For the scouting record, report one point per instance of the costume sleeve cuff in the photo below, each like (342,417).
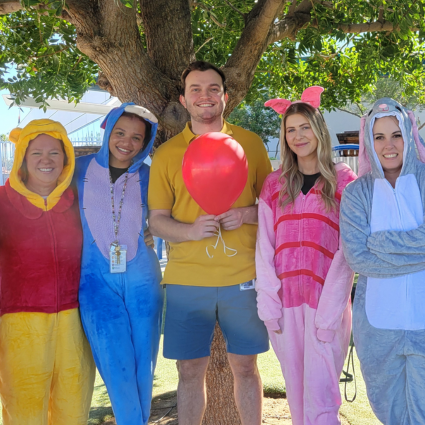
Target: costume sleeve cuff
(272,325)
(325,335)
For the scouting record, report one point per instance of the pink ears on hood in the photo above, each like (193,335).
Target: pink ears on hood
(419,145)
(364,163)
(311,95)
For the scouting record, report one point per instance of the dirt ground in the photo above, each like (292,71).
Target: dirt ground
(275,411)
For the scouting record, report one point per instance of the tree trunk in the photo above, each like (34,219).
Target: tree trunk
(221,406)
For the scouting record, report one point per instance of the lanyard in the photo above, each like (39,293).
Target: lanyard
(117,218)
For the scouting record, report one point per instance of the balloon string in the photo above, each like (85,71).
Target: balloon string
(220,238)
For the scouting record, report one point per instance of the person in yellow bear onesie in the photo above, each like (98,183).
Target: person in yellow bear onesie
(46,365)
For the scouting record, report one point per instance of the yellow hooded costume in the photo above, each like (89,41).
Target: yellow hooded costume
(46,366)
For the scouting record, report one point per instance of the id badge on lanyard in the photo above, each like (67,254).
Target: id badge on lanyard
(117,252)
(118,259)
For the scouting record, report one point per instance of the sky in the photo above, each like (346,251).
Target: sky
(9,117)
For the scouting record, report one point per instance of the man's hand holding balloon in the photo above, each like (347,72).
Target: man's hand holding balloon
(234,218)
(204,226)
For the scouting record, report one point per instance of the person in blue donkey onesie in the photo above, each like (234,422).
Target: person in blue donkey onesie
(383,234)
(120,296)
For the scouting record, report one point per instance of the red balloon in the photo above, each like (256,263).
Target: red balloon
(215,171)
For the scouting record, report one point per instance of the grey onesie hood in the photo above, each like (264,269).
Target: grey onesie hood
(413,145)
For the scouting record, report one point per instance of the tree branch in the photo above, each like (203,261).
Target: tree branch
(11,6)
(240,67)
(367,27)
(168,34)
(349,112)
(204,43)
(236,9)
(208,9)
(381,15)
(306,5)
(292,7)
(8,6)
(292,23)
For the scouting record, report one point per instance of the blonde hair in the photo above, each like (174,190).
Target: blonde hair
(291,178)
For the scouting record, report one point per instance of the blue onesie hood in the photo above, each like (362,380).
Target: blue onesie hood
(102,157)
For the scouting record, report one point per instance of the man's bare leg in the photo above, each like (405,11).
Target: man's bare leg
(191,395)
(248,388)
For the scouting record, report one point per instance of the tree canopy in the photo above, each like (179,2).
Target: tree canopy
(264,122)
(137,49)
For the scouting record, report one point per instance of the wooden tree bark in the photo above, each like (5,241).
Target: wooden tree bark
(221,406)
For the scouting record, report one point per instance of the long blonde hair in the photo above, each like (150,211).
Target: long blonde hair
(291,178)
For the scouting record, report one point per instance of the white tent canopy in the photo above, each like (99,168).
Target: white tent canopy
(73,117)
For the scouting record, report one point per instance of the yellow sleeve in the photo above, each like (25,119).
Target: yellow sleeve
(264,167)
(160,193)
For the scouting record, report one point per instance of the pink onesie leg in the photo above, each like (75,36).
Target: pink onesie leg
(289,349)
(323,363)
(310,367)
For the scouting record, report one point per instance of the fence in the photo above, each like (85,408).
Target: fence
(341,152)
(7,153)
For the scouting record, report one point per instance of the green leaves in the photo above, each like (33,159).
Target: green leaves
(255,117)
(127,3)
(39,58)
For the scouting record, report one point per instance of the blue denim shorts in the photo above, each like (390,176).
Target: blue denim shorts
(192,312)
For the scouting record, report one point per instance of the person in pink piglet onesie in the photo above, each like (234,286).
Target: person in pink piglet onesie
(303,281)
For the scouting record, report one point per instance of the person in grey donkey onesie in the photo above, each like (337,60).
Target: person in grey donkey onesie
(383,233)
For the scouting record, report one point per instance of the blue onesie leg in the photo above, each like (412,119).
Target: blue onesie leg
(392,363)
(144,302)
(122,323)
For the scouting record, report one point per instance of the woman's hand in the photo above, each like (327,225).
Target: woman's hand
(148,238)
(279,332)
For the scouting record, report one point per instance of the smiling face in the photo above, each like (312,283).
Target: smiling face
(300,137)
(204,97)
(126,141)
(44,161)
(389,145)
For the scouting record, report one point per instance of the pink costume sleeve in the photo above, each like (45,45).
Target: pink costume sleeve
(268,284)
(334,297)
(338,283)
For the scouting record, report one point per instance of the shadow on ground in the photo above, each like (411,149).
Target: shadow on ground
(98,415)
(164,411)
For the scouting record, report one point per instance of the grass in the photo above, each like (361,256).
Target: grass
(165,384)
(359,412)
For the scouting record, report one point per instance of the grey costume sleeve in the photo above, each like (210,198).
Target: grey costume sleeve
(410,244)
(355,231)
